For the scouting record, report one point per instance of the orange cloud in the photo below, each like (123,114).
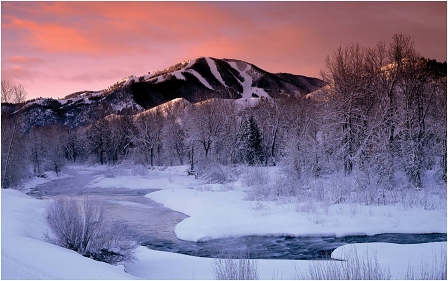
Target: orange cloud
(113,27)
(52,37)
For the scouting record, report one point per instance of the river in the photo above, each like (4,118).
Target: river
(152,225)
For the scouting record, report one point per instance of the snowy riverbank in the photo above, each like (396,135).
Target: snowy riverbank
(214,211)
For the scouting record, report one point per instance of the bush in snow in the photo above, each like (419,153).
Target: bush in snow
(213,172)
(80,225)
(257,179)
(235,266)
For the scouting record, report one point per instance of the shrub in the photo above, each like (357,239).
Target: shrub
(235,266)
(353,267)
(214,172)
(258,181)
(433,269)
(80,225)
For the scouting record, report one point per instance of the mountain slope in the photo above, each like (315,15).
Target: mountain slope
(194,80)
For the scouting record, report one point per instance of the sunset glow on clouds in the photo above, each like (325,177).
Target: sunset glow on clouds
(56,48)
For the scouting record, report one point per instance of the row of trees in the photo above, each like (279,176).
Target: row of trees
(177,133)
(382,112)
(387,110)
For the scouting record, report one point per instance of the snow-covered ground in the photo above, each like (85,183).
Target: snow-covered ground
(214,211)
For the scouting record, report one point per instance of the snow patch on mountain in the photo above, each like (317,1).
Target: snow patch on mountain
(249,92)
(179,76)
(200,78)
(211,63)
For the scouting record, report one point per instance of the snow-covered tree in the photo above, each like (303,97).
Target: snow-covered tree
(173,133)
(350,101)
(304,155)
(98,138)
(270,117)
(380,102)
(148,138)
(122,133)
(74,144)
(13,165)
(204,125)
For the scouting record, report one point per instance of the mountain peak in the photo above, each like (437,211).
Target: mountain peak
(193,80)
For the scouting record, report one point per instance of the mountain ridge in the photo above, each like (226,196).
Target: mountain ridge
(194,80)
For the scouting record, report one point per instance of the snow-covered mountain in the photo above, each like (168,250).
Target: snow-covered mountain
(193,80)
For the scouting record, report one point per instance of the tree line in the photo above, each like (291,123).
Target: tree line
(382,112)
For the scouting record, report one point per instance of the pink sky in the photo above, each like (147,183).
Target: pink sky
(56,48)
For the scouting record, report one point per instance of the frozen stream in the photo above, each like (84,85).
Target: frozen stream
(152,225)
(140,217)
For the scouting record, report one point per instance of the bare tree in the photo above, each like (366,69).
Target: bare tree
(346,75)
(12,93)
(122,135)
(205,124)
(417,102)
(303,149)
(11,135)
(37,150)
(148,141)
(173,137)
(56,140)
(381,100)
(74,145)
(98,138)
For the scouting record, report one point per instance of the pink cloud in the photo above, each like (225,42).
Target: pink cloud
(24,60)
(84,45)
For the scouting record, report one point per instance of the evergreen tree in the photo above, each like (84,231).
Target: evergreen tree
(252,143)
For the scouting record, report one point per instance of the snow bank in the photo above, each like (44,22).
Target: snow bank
(172,178)
(171,266)
(26,255)
(219,211)
(176,266)
(214,213)
(398,258)
(217,214)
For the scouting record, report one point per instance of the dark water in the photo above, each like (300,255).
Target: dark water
(285,247)
(152,225)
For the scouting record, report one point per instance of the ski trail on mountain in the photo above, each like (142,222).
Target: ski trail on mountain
(179,75)
(248,90)
(200,78)
(212,65)
(247,83)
